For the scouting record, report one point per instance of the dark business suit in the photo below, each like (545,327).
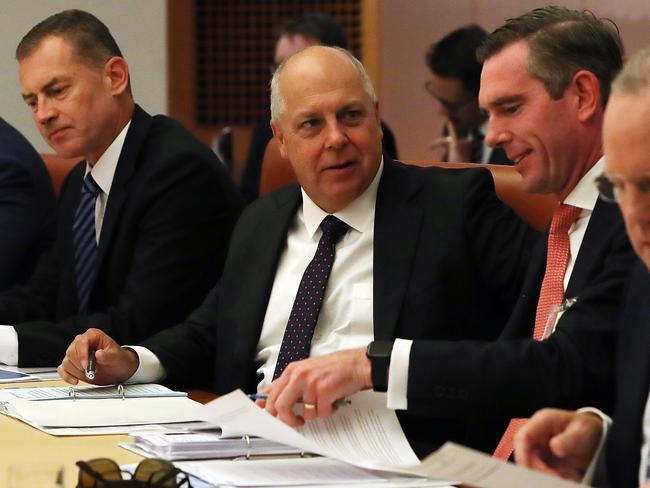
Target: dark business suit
(447,255)
(26,207)
(625,438)
(167,222)
(514,376)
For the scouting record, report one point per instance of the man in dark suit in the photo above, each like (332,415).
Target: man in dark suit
(143,220)
(454,83)
(26,207)
(404,267)
(547,114)
(565,443)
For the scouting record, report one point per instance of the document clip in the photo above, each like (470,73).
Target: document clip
(247,440)
(555,314)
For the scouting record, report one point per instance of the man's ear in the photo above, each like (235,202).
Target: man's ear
(586,90)
(278,135)
(116,72)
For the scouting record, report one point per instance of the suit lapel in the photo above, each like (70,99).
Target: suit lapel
(397,226)
(593,245)
(264,247)
(126,165)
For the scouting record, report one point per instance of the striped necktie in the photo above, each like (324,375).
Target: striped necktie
(85,241)
(296,341)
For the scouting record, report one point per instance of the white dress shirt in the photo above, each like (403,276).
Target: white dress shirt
(103,172)
(346,317)
(584,196)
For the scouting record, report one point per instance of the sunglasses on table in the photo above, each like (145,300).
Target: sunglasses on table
(150,473)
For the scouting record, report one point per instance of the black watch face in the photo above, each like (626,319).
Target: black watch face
(380,349)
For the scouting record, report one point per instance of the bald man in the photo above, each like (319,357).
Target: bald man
(401,266)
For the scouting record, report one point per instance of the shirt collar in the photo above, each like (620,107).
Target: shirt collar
(359,214)
(585,194)
(104,169)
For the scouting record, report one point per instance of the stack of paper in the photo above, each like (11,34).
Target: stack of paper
(98,410)
(207,446)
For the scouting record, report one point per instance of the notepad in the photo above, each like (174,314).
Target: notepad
(92,407)
(191,445)
(89,392)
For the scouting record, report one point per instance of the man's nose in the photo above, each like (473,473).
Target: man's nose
(44,112)
(336,136)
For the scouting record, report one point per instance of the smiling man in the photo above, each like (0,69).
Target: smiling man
(143,219)
(557,347)
(562,442)
(364,249)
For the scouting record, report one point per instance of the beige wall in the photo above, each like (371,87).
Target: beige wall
(408,27)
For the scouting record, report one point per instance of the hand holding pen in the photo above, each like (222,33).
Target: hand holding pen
(96,358)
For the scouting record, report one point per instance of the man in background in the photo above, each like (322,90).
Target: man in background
(567,443)
(143,220)
(454,83)
(27,207)
(294,36)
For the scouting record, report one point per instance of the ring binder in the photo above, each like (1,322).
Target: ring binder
(120,391)
(72,393)
(247,439)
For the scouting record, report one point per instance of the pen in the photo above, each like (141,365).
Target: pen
(337,403)
(90,368)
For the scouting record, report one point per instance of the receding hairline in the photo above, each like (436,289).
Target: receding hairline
(277,99)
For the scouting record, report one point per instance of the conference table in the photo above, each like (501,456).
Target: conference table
(23,445)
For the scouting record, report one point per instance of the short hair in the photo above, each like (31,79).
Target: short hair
(635,75)
(277,100)
(562,42)
(321,27)
(454,56)
(90,38)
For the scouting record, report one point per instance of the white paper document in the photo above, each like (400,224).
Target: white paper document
(481,470)
(364,433)
(285,472)
(368,435)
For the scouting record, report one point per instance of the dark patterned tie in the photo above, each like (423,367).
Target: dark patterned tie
(306,307)
(85,241)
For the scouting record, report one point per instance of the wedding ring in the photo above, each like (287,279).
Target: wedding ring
(309,406)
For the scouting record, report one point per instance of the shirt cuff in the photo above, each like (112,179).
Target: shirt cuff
(8,345)
(398,374)
(150,369)
(589,474)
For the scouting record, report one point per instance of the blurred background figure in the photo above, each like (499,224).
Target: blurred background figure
(26,207)
(294,36)
(454,83)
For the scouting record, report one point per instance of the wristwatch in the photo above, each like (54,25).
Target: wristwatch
(379,354)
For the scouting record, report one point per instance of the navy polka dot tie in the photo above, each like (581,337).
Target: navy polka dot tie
(306,307)
(85,241)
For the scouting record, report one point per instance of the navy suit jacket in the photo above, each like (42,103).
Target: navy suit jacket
(622,450)
(163,241)
(27,207)
(492,382)
(447,255)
